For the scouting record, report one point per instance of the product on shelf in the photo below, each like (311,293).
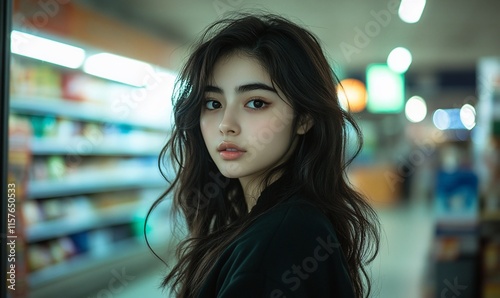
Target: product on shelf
(30,78)
(491,269)
(457,197)
(38,257)
(32,213)
(84,88)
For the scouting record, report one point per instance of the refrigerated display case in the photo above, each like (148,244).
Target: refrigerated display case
(90,155)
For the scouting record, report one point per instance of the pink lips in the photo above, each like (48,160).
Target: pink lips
(230,151)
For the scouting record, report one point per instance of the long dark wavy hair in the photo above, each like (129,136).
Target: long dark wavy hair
(213,206)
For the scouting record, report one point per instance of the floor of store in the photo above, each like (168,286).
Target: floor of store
(398,271)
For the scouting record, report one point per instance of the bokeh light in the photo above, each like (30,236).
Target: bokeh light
(468,116)
(415,109)
(352,95)
(410,11)
(441,119)
(399,59)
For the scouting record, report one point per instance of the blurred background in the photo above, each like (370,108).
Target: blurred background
(90,110)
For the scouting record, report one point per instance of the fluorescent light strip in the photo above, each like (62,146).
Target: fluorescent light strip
(119,69)
(46,50)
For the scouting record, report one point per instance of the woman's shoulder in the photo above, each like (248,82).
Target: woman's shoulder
(296,223)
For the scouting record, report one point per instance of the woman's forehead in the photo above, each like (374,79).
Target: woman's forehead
(238,68)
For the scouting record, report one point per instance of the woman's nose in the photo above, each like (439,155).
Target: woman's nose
(229,124)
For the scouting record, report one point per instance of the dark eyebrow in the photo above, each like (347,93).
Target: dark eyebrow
(242,88)
(255,86)
(214,89)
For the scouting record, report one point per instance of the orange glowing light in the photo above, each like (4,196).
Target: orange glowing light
(352,95)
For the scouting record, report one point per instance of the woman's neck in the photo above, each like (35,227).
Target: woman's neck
(252,188)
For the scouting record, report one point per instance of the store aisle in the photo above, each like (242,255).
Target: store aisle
(397,271)
(403,260)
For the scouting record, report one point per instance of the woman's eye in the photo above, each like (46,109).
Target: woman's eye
(212,104)
(256,104)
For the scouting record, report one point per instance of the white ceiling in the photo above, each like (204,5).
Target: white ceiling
(451,35)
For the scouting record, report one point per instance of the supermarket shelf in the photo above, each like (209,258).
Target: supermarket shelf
(491,216)
(125,179)
(126,249)
(490,228)
(110,145)
(118,154)
(63,227)
(75,110)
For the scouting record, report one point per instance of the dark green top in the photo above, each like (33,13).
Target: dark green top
(290,251)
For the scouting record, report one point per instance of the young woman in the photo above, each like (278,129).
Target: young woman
(259,145)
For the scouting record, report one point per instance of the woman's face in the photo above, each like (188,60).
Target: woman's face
(246,123)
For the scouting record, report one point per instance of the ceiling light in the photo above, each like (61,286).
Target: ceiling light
(119,69)
(468,116)
(399,59)
(415,109)
(46,50)
(410,11)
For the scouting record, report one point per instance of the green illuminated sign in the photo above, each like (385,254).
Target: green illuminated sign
(385,89)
